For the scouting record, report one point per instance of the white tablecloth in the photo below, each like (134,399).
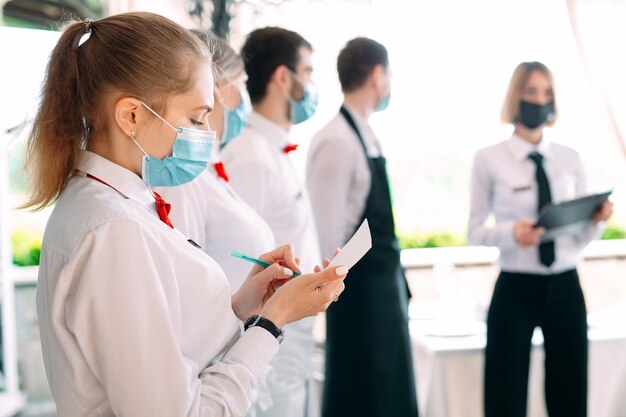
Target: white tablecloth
(449,371)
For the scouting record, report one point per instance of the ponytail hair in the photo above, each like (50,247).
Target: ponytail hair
(140,55)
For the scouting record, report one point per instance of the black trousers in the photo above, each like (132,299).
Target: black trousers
(521,302)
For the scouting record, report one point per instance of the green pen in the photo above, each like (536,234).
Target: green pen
(256,261)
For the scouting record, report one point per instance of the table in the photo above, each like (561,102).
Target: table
(11,404)
(449,370)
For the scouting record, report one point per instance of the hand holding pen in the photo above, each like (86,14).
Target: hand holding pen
(297,298)
(262,263)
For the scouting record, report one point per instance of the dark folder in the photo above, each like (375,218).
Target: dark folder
(569,217)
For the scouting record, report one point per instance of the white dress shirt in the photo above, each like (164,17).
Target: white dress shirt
(265,177)
(338,178)
(504,185)
(209,211)
(134,320)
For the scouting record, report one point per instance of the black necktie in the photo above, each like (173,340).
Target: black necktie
(546,249)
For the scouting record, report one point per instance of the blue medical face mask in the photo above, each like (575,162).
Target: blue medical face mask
(303,109)
(190,156)
(384,100)
(236,119)
(383,103)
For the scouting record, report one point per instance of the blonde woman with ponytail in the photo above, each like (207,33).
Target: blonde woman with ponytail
(135,320)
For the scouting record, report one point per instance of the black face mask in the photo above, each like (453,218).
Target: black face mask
(534,115)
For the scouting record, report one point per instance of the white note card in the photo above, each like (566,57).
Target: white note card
(356,248)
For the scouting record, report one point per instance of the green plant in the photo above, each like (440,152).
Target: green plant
(430,240)
(613,231)
(26,248)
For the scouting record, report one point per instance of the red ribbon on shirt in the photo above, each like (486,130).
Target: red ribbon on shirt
(221,170)
(163,209)
(289,148)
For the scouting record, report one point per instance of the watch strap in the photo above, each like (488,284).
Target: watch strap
(268,325)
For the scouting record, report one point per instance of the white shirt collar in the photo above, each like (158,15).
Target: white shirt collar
(520,148)
(270,131)
(125,182)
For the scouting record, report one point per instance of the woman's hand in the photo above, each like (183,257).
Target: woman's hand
(262,283)
(527,234)
(306,295)
(603,212)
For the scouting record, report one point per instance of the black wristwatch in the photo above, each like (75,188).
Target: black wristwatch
(274,330)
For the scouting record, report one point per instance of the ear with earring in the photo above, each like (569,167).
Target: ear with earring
(133,137)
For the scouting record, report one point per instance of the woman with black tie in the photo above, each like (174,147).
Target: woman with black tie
(538,284)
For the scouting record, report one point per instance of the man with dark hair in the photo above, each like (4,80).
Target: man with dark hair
(369,367)
(278,64)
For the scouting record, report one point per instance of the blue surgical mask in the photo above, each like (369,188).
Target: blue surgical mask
(383,103)
(190,156)
(236,119)
(303,109)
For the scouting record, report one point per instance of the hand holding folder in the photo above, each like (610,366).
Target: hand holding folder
(569,217)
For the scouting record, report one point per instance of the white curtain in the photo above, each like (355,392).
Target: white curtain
(599,30)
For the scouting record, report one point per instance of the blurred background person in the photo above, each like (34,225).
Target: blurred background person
(207,209)
(278,64)
(538,284)
(369,367)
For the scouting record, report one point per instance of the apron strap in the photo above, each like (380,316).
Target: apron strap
(352,124)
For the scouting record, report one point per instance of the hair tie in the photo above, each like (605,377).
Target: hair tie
(87,22)
(87,34)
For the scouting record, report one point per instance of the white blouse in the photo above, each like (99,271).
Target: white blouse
(504,185)
(134,320)
(266,179)
(208,211)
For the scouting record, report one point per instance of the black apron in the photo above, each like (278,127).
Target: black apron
(369,367)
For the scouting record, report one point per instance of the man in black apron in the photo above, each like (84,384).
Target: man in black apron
(369,367)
